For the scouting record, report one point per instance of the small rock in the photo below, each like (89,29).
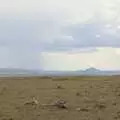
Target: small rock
(77,94)
(78,109)
(59,87)
(82,109)
(60,104)
(33,102)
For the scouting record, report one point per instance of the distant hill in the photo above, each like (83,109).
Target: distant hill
(88,72)
(92,70)
(17,71)
(25,72)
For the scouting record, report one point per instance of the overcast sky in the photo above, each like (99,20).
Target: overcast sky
(60,34)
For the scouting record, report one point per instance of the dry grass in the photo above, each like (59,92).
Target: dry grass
(87,98)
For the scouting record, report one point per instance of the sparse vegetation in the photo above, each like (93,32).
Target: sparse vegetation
(35,98)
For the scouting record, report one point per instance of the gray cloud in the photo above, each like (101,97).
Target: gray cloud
(22,41)
(84,36)
(94,35)
(18,45)
(29,27)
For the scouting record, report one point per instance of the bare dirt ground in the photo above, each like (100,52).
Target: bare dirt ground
(86,98)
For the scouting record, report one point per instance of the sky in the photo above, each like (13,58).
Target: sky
(60,34)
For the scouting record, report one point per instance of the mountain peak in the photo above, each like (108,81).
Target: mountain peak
(92,69)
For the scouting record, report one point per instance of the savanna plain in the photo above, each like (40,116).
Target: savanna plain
(60,98)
